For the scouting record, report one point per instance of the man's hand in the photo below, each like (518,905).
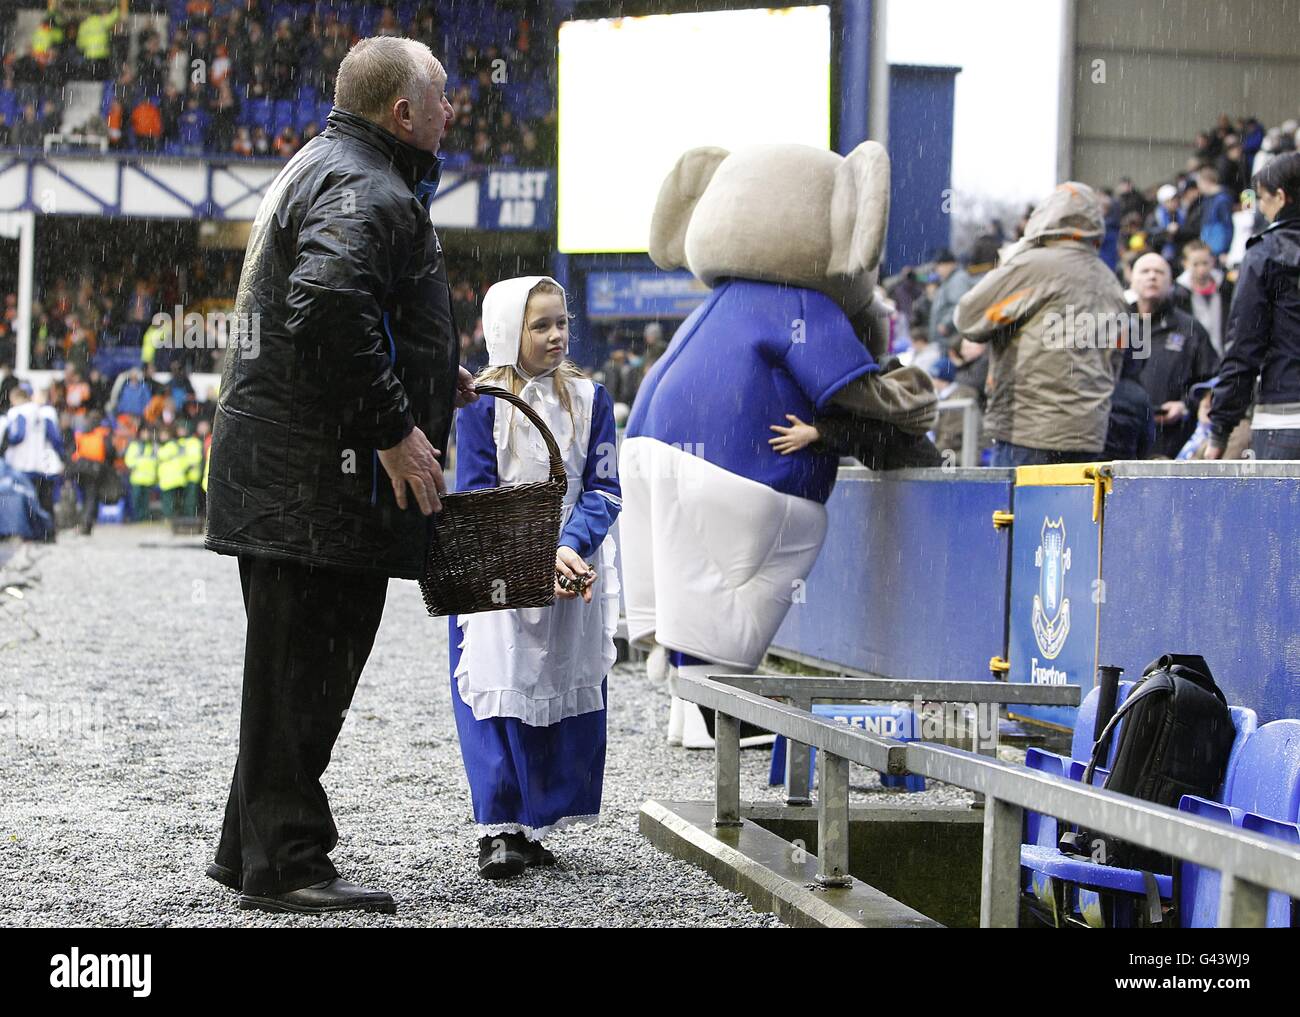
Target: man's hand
(1171,412)
(1213,451)
(465,393)
(414,461)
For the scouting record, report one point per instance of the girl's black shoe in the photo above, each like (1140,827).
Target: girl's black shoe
(535,854)
(502,856)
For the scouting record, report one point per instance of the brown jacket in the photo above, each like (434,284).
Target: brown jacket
(1053,314)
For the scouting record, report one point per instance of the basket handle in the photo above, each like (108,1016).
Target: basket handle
(557,465)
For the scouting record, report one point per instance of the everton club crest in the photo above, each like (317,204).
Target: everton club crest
(1051,605)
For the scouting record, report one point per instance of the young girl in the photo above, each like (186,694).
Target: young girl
(529,685)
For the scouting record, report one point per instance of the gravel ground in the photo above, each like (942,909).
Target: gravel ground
(120,658)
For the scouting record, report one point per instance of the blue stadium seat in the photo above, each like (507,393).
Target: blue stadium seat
(1198,894)
(1246,722)
(256,113)
(323,112)
(1041,829)
(282,114)
(1262,795)
(1046,862)
(194,129)
(1086,720)
(1281,912)
(9,105)
(1266,779)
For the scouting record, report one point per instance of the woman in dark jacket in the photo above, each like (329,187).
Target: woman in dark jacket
(1264,326)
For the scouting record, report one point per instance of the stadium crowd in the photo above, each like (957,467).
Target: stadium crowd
(254,78)
(1197,223)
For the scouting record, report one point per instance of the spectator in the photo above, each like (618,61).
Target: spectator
(925,354)
(192,455)
(286,143)
(151,66)
(243,143)
(170,107)
(173,466)
(1191,213)
(93,40)
(142,463)
(1263,339)
(131,394)
(1129,200)
(1206,293)
(8,382)
(92,467)
(1216,216)
(116,124)
(147,125)
(1050,403)
(30,442)
(1232,169)
(1131,428)
(1162,224)
(954,284)
(1178,355)
(27,133)
(225,113)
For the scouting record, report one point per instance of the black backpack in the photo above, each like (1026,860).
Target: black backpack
(1176,739)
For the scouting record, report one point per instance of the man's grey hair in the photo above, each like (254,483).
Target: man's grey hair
(380,70)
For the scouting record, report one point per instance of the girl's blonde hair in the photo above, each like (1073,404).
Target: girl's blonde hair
(510,379)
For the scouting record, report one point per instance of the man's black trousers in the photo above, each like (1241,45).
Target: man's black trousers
(310,630)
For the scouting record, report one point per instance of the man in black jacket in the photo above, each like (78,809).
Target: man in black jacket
(1178,355)
(336,399)
(1264,326)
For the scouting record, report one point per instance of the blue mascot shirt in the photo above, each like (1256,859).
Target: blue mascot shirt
(747,356)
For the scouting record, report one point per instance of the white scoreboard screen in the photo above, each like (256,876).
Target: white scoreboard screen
(635,93)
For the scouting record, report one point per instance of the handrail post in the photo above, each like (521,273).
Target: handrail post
(1241,904)
(833,820)
(796,762)
(726,761)
(970,434)
(990,750)
(1000,866)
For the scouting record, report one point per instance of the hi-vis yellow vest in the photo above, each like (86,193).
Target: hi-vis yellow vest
(142,460)
(172,466)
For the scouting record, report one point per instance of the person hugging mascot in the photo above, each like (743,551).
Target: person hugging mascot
(718,528)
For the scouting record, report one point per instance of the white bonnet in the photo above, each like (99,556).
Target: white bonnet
(503,317)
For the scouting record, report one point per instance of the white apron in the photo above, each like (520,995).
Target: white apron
(543,664)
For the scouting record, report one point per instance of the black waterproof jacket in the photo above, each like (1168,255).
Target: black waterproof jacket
(1263,329)
(343,341)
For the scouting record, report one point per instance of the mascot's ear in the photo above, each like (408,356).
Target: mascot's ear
(859,210)
(681,190)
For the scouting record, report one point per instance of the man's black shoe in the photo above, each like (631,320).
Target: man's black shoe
(321,899)
(223,875)
(502,856)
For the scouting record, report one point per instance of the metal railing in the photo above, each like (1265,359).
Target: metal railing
(970,427)
(1251,865)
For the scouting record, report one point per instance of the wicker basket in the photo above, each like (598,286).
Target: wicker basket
(495,549)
